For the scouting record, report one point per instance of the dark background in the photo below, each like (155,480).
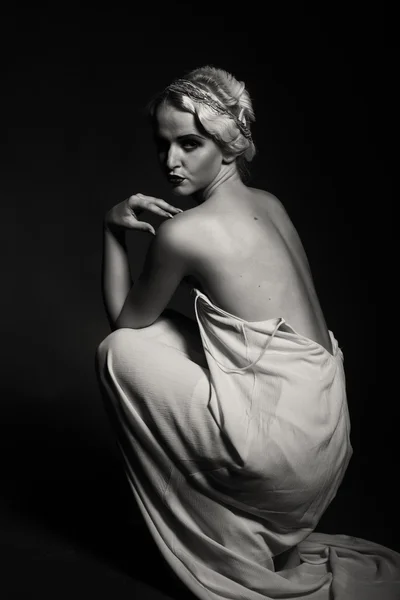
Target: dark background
(75,141)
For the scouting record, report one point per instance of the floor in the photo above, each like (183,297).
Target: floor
(60,550)
(69,528)
(76,542)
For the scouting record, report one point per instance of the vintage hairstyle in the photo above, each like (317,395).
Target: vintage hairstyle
(221,106)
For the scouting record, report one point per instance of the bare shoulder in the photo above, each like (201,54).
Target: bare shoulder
(186,225)
(182,238)
(180,234)
(263,194)
(269,201)
(216,226)
(182,225)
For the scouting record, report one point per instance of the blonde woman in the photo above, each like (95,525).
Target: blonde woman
(234,427)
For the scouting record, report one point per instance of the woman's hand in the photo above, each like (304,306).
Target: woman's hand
(124,215)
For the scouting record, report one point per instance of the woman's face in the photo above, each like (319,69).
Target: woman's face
(190,159)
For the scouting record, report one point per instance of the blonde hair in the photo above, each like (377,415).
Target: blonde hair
(222,107)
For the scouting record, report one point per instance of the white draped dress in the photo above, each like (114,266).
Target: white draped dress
(234,453)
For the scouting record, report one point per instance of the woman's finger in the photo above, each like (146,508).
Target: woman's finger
(142,226)
(159,202)
(159,211)
(169,207)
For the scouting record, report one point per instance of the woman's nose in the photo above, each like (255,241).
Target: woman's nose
(173,159)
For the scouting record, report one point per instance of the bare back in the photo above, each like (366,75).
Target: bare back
(252,264)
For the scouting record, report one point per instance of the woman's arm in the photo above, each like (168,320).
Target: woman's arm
(116,275)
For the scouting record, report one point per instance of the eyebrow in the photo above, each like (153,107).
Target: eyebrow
(196,135)
(181,137)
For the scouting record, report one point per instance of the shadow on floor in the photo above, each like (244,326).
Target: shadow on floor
(70,527)
(73,544)
(69,524)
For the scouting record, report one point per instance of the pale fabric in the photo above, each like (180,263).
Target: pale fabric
(234,449)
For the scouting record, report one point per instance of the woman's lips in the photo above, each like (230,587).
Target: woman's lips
(176,179)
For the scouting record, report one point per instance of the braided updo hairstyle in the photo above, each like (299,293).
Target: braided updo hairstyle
(232,95)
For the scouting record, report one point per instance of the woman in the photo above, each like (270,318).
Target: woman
(234,427)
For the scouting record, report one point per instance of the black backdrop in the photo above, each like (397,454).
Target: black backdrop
(75,142)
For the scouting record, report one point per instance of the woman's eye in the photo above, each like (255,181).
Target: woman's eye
(189,145)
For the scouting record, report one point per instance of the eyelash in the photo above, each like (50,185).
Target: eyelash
(188,146)
(192,145)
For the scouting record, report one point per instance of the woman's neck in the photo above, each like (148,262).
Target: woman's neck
(227,179)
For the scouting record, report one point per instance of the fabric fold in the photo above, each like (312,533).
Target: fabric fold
(232,465)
